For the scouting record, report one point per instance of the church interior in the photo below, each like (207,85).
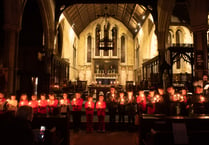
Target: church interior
(90,46)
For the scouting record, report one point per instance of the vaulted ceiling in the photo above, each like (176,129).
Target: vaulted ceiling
(80,13)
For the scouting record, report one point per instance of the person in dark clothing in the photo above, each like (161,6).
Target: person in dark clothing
(18,131)
(121,107)
(112,99)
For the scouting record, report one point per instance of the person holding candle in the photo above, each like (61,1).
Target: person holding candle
(131,109)
(12,103)
(121,107)
(2,102)
(77,103)
(184,106)
(89,106)
(34,104)
(52,103)
(198,101)
(159,101)
(112,103)
(42,103)
(101,107)
(141,102)
(64,104)
(151,101)
(23,100)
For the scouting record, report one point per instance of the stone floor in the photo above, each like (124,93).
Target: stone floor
(107,138)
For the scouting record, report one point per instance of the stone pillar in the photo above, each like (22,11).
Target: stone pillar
(12,25)
(198,11)
(10,56)
(164,9)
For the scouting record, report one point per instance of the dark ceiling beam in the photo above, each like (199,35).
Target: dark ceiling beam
(132,13)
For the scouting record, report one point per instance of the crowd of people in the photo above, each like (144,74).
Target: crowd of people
(113,103)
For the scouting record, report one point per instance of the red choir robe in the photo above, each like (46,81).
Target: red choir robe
(42,106)
(23,102)
(34,105)
(77,104)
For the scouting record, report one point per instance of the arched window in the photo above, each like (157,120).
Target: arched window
(98,29)
(123,49)
(169,38)
(89,46)
(178,36)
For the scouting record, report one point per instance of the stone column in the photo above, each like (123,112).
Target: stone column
(11,36)
(198,11)
(164,9)
(12,17)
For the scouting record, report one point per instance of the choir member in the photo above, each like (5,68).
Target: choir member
(64,104)
(89,106)
(52,104)
(150,102)
(77,103)
(12,103)
(2,102)
(141,102)
(34,104)
(112,98)
(101,107)
(23,100)
(121,107)
(42,103)
(131,108)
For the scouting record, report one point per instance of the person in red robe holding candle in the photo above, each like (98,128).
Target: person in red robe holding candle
(101,106)
(42,110)
(150,101)
(34,104)
(64,104)
(23,100)
(141,102)
(77,103)
(53,104)
(89,106)
(121,107)
(2,102)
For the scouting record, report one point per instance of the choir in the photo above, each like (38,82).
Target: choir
(121,103)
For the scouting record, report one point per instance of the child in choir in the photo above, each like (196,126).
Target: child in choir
(12,103)
(42,110)
(131,108)
(64,104)
(52,103)
(34,104)
(141,102)
(101,106)
(23,100)
(121,107)
(89,106)
(150,101)
(77,103)
(2,102)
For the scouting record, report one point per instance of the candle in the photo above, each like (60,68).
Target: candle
(62,102)
(202,99)
(29,104)
(99,103)
(122,101)
(74,101)
(89,104)
(39,102)
(22,103)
